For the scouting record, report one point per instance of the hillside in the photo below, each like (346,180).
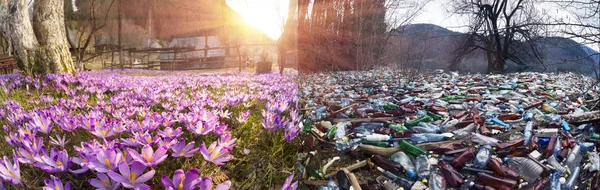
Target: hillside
(428,46)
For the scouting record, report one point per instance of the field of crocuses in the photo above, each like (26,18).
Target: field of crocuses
(148,130)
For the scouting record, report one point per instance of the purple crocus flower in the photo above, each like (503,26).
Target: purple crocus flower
(243,117)
(226,141)
(67,124)
(215,154)
(291,131)
(41,122)
(181,149)
(201,128)
(54,183)
(104,182)
(206,184)
(10,172)
(57,161)
(103,131)
(107,159)
(288,185)
(268,121)
(169,133)
(133,177)
(148,157)
(181,181)
(59,141)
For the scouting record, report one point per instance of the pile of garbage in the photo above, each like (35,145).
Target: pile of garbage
(384,130)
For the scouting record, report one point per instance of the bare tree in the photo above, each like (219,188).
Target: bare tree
(91,17)
(499,28)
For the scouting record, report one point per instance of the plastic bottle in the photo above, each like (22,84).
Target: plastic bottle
(349,144)
(528,116)
(410,148)
(573,178)
(331,185)
(377,137)
(314,172)
(403,159)
(482,157)
(436,181)
(340,131)
(565,125)
(464,132)
(423,166)
(527,132)
(478,138)
(574,158)
(555,181)
(528,169)
(594,160)
(500,122)
(556,165)
(433,127)
(460,160)
(427,137)
(404,183)
(538,185)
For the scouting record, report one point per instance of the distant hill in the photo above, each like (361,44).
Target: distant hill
(429,46)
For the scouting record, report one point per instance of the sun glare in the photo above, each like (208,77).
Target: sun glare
(267,16)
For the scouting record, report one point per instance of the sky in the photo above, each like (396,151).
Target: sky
(266,15)
(269,15)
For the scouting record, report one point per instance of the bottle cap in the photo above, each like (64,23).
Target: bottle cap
(411,174)
(424,181)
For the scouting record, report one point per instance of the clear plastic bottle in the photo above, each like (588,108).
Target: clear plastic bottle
(481,139)
(527,132)
(331,185)
(555,181)
(423,166)
(574,158)
(403,159)
(528,169)
(436,181)
(573,178)
(556,165)
(346,145)
(427,137)
(482,157)
(464,132)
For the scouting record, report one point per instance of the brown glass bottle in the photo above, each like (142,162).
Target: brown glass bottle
(535,105)
(509,116)
(387,164)
(538,185)
(502,170)
(550,147)
(452,177)
(511,144)
(497,182)
(460,160)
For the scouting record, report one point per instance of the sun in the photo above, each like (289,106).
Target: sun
(267,16)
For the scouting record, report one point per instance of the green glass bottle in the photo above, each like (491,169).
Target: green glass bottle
(434,116)
(379,144)
(585,109)
(505,87)
(331,132)
(594,136)
(307,126)
(390,106)
(418,120)
(314,172)
(493,89)
(398,127)
(410,148)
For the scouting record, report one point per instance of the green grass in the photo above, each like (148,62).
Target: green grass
(269,162)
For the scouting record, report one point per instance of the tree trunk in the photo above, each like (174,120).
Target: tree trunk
(19,31)
(48,20)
